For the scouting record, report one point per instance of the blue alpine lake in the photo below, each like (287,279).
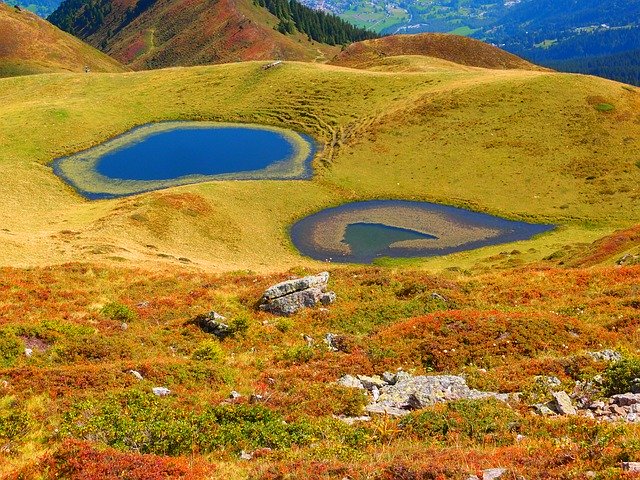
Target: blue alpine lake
(195,151)
(176,153)
(361,232)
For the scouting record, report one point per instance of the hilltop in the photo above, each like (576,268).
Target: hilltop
(29,44)
(166,33)
(452,48)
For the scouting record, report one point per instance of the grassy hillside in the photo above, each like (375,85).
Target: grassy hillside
(166,33)
(29,45)
(453,48)
(523,144)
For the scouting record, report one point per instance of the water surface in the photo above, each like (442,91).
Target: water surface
(360,232)
(167,154)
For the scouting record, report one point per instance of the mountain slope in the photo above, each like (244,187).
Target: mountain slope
(452,48)
(29,44)
(163,33)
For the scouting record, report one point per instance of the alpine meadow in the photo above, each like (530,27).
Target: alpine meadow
(170,326)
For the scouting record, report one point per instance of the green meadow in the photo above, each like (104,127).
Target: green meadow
(524,145)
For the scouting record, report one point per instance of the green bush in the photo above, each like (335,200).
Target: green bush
(119,312)
(239,325)
(620,377)
(139,421)
(299,354)
(209,350)
(10,348)
(472,421)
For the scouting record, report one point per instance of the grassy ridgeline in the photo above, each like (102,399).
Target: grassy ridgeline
(526,145)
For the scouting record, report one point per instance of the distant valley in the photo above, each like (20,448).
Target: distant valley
(542,31)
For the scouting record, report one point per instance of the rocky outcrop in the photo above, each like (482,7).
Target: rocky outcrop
(398,394)
(286,298)
(212,322)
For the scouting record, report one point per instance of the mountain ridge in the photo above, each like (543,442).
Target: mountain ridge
(29,44)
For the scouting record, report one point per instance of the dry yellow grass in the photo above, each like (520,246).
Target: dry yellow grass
(28,44)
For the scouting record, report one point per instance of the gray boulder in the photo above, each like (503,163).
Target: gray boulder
(287,287)
(286,298)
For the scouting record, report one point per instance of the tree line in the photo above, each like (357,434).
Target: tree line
(317,25)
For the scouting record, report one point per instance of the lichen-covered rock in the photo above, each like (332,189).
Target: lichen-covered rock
(286,298)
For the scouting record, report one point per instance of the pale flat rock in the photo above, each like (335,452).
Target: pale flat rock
(563,403)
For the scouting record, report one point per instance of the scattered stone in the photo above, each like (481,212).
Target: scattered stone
(493,473)
(563,403)
(389,378)
(370,382)
(143,304)
(379,409)
(212,322)
(255,398)
(375,393)
(161,391)
(246,455)
(548,381)
(606,355)
(286,298)
(590,474)
(352,420)
(136,374)
(124,326)
(473,477)
(599,405)
(28,352)
(626,399)
(234,395)
(618,410)
(437,296)
(631,466)
(308,339)
(542,409)
(350,381)
(408,392)
(332,341)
